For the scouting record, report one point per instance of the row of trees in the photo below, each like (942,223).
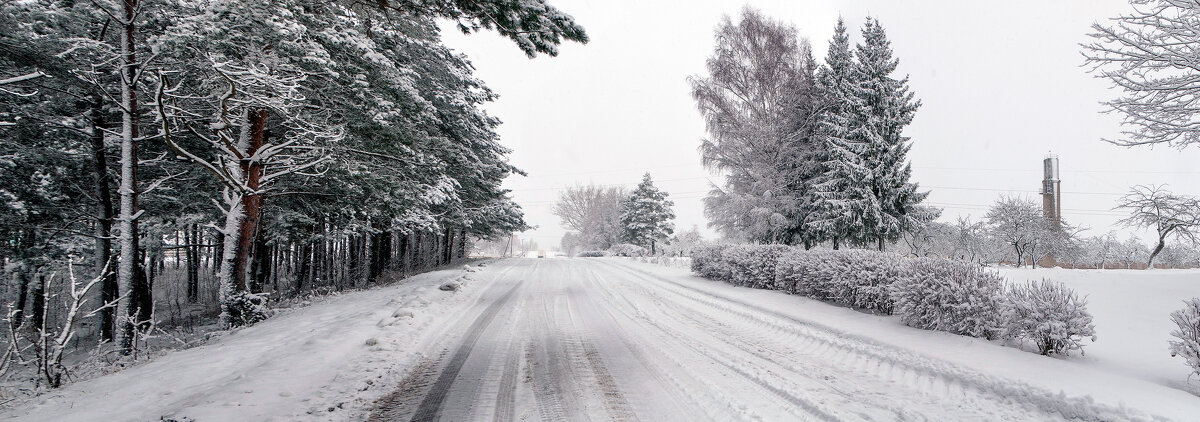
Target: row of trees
(1015,230)
(600,217)
(328,141)
(811,153)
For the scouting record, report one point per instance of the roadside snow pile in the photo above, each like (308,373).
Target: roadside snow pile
(590,254)
(1188,334)
(932,294)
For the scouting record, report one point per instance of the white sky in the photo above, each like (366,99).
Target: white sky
(1001,82)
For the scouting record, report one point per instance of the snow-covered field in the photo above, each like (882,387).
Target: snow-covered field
(554,339)
(1132,314)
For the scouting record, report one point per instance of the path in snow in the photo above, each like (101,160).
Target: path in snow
(580,339)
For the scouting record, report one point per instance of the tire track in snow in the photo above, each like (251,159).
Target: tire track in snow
(430,405)
(710,399)
(891,363)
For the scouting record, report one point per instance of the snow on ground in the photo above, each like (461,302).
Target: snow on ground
(608,338)
(1132,311)
(327,361)
(1128,365)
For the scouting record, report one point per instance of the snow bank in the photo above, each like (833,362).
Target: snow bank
(327,361)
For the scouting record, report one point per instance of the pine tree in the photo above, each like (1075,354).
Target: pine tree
(865,195)
(838,196)
(646,215)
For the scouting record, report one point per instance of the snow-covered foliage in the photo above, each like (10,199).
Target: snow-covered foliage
(857,278)
(758,101)
(1050,314)
(1187,334)
(709,261)
(754,265)
(244,308)
(957,297)
(646,215)
(627,249)
(591,254)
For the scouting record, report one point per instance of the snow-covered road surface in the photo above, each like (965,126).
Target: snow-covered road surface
(599,339)
(559,339)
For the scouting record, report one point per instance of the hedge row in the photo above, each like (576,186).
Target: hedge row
(932,294)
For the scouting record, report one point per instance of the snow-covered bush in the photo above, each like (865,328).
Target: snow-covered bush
(805,273)
(951,296)
(864,279)
(626,249)
(245,308)
(858,278)
(590,254)
(1188,345)
(1050,314)
(754,265)
(709,261)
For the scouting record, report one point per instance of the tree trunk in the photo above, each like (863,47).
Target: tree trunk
(1157,248)
(21,279)
(127,218)
(262,261)
(192,237)
(38,311)
(102,256)
(252,200)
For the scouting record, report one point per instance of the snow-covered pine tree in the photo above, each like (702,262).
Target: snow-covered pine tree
(865,195)
(886,106)
(646,215)
(839,198)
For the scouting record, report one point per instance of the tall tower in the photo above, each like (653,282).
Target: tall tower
(1051,191)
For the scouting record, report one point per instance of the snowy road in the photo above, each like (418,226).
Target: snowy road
(598,339)
(580,339)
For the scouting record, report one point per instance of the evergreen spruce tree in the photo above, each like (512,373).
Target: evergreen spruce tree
(838,197)
(865,196)
(646,215)
(884,107)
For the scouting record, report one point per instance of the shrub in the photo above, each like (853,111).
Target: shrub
(626,249)
(709,262)
(858,278)
(1050,314)
(590,254)
(951,296)
(864,279)
(805,273)
(244,308)
(1188,345)
(754,265)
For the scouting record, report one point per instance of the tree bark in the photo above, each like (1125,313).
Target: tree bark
(21,279)
(102,255)
(127,218)
(1157,248)
(252,200)
(192,237)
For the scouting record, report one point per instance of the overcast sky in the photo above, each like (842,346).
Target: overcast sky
(1001,83)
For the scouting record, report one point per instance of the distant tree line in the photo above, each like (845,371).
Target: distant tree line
(601,217)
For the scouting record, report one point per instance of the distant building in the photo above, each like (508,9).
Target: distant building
(1051,191)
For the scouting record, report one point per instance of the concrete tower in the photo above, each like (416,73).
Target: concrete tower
(1051,191)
